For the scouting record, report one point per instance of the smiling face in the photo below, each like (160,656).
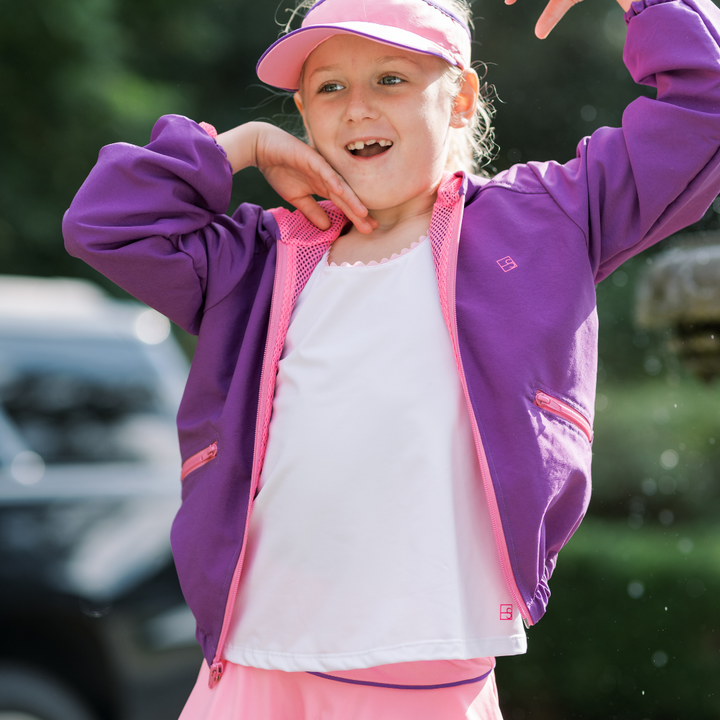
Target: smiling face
(381,116)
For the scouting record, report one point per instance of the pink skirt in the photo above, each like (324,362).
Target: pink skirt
(427,690)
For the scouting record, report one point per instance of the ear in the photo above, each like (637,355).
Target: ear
(466,100)
(301,109)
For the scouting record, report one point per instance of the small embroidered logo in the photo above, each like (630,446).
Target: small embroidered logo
(507,264)
(506,612)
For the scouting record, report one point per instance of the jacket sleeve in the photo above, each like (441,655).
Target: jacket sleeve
(152,220)
(632,186)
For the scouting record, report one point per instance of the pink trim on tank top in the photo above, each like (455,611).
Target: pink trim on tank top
(384,261)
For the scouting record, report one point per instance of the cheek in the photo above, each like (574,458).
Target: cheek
(314,121)
(432,122)
(316,134)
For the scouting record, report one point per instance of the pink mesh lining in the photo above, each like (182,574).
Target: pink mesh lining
(441,231)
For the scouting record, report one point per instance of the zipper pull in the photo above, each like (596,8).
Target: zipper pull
(210,452)
(542,399)
(216,671)
(569,413)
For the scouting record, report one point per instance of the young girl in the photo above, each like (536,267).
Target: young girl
(386,430)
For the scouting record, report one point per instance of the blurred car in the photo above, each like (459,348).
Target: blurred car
(93,625)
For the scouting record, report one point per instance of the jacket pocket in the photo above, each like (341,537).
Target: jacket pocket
(565,411)
(198,460)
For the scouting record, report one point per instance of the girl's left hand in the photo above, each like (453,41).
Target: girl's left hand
(296,172)
(554,12)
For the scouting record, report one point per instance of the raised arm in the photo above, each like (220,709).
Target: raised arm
(632,186)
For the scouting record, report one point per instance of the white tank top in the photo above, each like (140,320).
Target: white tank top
(370,539)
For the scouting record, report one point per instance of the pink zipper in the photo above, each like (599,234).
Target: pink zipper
(558,407)
(198,460)
(264,407)
(482,458)
(285,264)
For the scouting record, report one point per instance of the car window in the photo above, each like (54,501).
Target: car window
(80,400)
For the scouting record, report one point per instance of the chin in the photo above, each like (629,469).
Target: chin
(378,197)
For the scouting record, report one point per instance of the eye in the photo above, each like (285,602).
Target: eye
(390,80)
(331,87)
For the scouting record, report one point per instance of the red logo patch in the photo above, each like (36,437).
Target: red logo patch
(507,264)
(506,612)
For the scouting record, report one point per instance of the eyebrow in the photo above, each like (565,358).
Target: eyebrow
(403,58)
(324,68)
(379,61)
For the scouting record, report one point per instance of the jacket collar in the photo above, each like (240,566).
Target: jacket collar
(296,229)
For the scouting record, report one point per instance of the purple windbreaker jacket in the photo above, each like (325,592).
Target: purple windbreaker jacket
(517,259)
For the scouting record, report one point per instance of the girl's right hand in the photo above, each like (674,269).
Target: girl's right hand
(295,171)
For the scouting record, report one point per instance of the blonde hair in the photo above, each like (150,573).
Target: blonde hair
(472,146)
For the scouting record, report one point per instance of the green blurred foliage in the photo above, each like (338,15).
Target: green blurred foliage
(633,630)
(657,455)
(78,74)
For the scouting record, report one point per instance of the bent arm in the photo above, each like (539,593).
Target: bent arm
(152,220)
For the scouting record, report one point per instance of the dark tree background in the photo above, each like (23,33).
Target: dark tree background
(632,631)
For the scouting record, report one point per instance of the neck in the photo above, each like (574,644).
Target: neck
(398,228)
(417,210)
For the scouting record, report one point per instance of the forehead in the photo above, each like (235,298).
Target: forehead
(348,51)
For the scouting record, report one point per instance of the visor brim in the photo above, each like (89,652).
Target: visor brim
(281,64)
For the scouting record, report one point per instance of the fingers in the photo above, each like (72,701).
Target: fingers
(336,185)
(551,16)
(345,199)
(297,172)
(313,212)
(350,202)
(363,222)
(343,196)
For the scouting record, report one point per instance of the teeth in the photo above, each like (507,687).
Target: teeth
(359,145)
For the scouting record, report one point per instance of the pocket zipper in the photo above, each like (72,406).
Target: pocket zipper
(558,407)
(198,460)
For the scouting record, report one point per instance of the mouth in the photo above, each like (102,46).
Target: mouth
(368,148)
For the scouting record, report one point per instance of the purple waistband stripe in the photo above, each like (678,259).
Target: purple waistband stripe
(401,687)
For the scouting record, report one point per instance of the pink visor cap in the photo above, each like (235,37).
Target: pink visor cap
(416,25)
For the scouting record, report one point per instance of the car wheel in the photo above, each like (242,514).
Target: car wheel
(29,694)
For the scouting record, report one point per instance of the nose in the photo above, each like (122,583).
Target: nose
(359,105)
